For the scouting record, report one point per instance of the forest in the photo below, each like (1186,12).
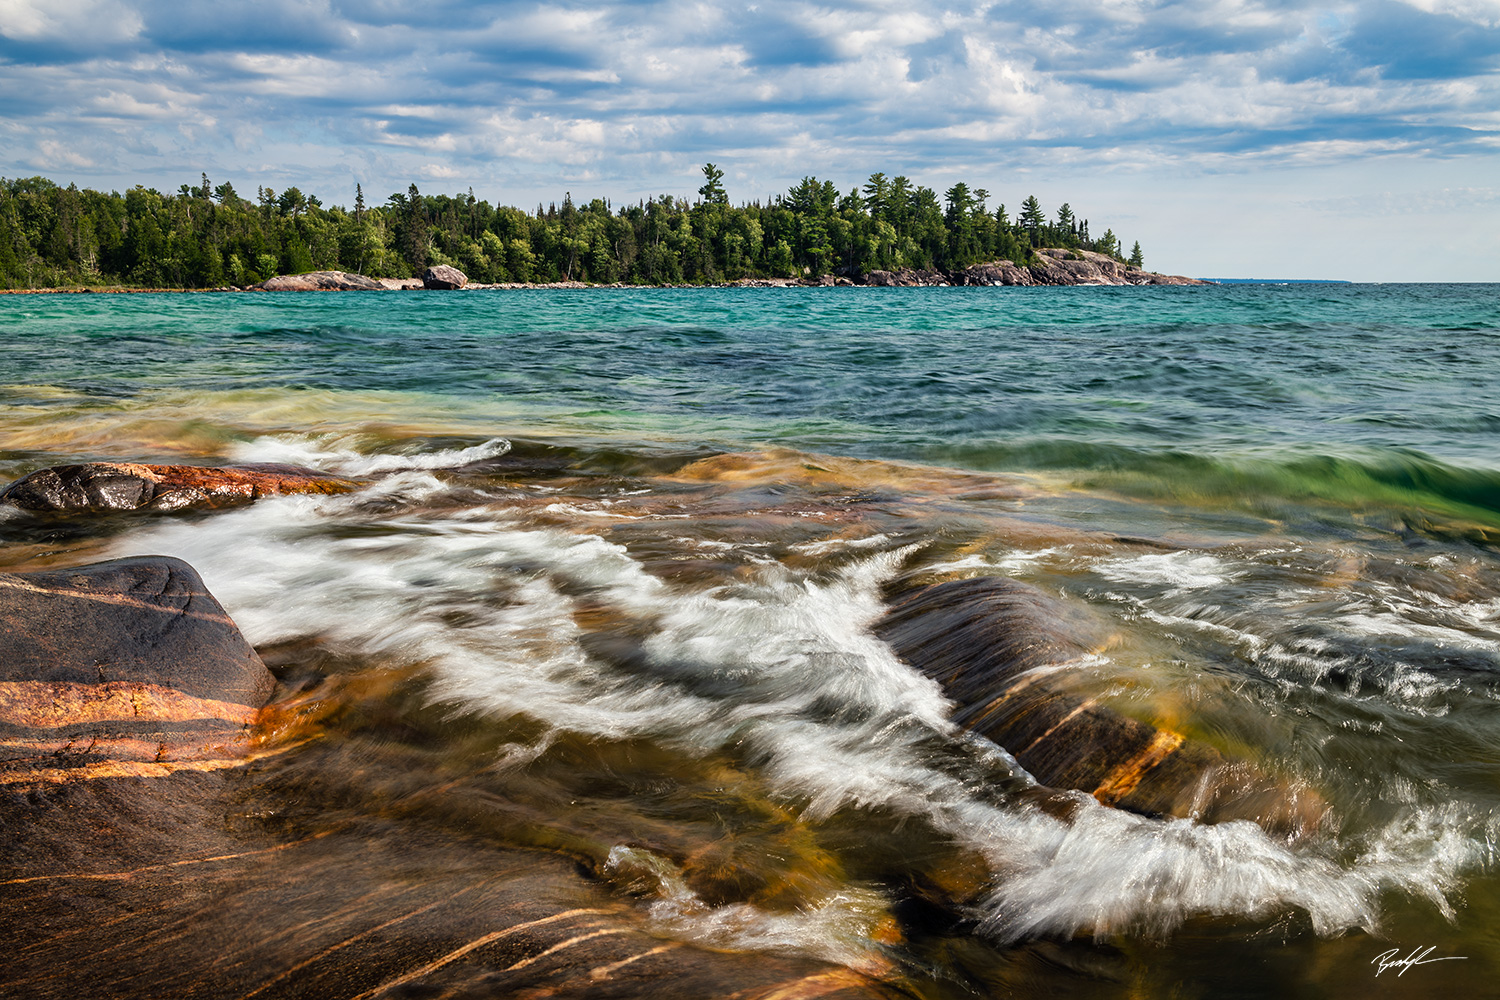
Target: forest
(209,236)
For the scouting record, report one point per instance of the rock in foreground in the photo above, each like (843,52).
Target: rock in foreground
(984,641)
(122,668)
(320,281)
(445,277)
(97,487)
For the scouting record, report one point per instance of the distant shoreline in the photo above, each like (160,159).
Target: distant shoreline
(1052,266)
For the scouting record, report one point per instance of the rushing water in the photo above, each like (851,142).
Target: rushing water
(622,553)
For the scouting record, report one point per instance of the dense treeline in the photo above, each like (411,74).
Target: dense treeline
(209,236)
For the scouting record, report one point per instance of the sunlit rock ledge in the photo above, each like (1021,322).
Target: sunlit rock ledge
(1053,266)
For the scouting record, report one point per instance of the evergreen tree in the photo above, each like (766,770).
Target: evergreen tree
(1032,219)
(712,190)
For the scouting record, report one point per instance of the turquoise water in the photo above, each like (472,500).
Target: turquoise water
(1281,502)
(977,377)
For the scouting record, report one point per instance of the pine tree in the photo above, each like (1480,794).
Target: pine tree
(1135,255)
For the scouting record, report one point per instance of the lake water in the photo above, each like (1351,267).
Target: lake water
(623,553)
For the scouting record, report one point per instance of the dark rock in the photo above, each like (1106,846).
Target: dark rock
(127,667)
(982,640)
(320,281)
(907,277)
(97,487)
(444,276)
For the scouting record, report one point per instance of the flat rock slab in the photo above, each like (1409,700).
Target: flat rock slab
(320,281)
(98,487)
(128,667)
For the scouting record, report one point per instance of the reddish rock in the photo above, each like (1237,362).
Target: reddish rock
(320,281)
(445,277)
(96,487)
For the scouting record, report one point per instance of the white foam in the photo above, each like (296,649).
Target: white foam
(340,454)
(1177,571)
(839,544)
(839,928)
(784,670)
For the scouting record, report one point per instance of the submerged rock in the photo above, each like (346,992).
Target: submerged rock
(122,668)
(988,640)
(444,276)
(96,487)
(320,281)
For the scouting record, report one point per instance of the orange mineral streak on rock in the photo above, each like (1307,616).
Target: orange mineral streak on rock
(1127,777)
(43,704)
(121,769)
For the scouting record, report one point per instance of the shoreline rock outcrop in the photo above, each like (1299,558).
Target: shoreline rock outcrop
(1052,266)
(99,487)
(319,281)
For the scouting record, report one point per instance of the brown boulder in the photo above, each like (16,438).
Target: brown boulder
(127,667)
(444,276)
(95,487)
(982,640)
(320,281)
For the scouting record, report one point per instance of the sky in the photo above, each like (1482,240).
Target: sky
(1232,138)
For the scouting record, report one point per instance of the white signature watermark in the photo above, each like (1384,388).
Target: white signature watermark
(1390,960)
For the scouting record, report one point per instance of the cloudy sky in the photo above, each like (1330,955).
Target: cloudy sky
(1271,138)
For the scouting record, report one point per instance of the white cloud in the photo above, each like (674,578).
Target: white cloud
(68,21)
(1001,93)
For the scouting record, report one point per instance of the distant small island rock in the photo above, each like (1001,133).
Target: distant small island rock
(444,276)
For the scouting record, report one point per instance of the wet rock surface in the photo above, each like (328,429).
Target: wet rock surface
(339,869)
(990,642)
(98,487)
(129,667)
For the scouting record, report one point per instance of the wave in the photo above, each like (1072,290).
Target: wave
(779,667)
(1394,479)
